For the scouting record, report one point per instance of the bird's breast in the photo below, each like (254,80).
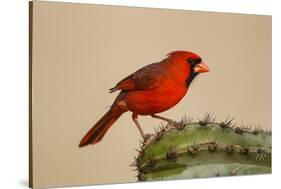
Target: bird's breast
(156,100)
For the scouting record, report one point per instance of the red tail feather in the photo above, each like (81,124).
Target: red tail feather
(96,133)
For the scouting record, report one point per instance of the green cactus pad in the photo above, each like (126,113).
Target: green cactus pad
(203,149)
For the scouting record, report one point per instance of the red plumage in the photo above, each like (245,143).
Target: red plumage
(152,89)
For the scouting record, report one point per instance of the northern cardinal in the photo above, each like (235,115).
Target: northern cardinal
(150,90)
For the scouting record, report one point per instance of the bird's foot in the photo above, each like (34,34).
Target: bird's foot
(147,138)
(172,123)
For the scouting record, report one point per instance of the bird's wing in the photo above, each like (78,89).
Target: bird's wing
(145,78)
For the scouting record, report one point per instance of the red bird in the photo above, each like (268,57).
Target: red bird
(150,90)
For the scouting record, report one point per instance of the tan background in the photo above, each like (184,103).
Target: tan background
(80,51)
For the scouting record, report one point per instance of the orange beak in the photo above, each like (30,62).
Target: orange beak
(200,68)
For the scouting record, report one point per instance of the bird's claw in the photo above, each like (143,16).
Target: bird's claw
(172,123)
(147,136)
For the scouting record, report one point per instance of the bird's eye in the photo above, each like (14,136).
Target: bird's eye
(193,62)
(190,61)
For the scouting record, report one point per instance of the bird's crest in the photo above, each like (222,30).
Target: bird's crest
(182,53)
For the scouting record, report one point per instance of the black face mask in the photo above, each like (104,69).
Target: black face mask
(192,63)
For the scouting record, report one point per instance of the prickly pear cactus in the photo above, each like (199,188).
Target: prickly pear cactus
(203,149)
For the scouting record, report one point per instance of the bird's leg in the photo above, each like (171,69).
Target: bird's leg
(135,118)
(162,118)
